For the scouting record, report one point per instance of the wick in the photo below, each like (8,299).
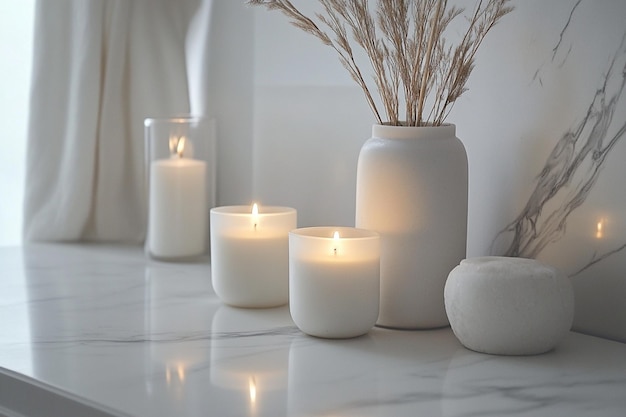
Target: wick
(255,226)
(335,251)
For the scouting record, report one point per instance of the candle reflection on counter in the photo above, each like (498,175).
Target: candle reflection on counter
(169,318)
(255,377)
(311,364)
(178,370)
(252,387)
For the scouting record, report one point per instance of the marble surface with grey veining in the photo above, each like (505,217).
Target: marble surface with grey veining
(101,330)
(571,170)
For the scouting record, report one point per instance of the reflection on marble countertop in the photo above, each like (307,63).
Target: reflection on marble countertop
(134,337)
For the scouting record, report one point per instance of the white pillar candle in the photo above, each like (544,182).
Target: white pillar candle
(177,218)
(249,254)
(334,280)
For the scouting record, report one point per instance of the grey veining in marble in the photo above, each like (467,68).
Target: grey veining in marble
(99,330)
(571,170)
(573,213)
(559,53)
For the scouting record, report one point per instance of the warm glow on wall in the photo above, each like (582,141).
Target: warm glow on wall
(600,226)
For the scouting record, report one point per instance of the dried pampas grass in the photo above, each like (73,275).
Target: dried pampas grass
(407,50)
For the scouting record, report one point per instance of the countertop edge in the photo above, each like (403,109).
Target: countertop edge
(24,396)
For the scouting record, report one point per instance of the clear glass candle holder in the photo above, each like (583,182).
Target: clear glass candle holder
(180,173)
(334,280)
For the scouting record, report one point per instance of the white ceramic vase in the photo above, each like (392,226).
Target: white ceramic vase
(412,190)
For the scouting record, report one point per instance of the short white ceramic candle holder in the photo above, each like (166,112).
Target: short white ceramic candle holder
(180,174)
(508,306)
(334,280)
(250,255)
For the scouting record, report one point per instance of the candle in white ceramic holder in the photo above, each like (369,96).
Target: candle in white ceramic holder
(249,254)
(334,280)
(180,173)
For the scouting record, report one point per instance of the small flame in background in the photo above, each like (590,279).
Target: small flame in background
(177,145)
(600,229)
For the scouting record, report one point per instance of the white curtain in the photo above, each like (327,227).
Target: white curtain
(100,68)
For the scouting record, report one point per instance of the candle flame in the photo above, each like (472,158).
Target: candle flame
(255,215)
(336,239)
(336,236)
(177,145)
(180,147)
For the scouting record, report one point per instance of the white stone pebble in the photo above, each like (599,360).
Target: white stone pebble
(508,306)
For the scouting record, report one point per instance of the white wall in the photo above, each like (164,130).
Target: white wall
(310,122)
(16,28)
(229,72)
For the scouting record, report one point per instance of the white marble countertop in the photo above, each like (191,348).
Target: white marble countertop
(100,330)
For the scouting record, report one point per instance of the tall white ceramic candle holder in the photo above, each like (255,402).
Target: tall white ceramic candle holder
(334,280)
(250,254)
(180,173)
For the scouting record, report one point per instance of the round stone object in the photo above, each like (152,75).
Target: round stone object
(508,306)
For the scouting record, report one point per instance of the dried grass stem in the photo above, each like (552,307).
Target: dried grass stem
(411,59)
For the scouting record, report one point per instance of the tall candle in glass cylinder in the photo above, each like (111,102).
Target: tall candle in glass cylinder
(250,254)
(180,173)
